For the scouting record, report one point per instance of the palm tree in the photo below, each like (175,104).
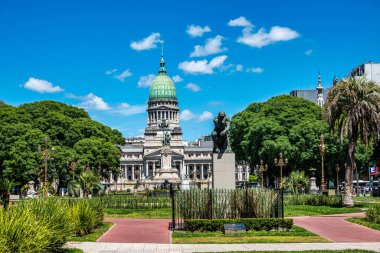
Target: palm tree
(296,181)
(5,189)
(353,109)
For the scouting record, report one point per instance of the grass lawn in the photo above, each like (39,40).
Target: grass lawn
(305,210)
(310,251)
(164,213)
(92,237)
(363,222)
(295,235)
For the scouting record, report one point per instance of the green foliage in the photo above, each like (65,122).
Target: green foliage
(5,190)
(45,225)
(353,110)
(373,215)
(284,124)
(313,200)
(69,130)
(253,178)
(134,202)
(213,225)
(86,216)
(296,181)
(222,203)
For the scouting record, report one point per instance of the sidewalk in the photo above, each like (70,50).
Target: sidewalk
(95,247)
(336,229)
(137,231)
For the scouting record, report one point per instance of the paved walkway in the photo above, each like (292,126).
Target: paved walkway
(336,229)
(91,247)
(137,231)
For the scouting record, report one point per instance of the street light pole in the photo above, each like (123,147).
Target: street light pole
(337,178)
(280,163)
(322,150)
(261,168)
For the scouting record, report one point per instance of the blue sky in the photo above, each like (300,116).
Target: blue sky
(101,55)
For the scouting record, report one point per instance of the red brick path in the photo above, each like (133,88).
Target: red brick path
(336,229)
(137,231)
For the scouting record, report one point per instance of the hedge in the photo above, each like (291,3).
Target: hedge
(250,224)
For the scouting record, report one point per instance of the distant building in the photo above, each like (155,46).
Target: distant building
(141,156)
(370,70)
(318,96)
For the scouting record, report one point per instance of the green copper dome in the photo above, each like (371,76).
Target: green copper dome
(162,87)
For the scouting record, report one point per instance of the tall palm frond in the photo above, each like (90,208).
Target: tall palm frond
(353,110)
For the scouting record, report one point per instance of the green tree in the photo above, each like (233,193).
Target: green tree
(284,124)
(24,128)
(353,109)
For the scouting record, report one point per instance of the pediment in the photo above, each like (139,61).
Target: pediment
(157,152)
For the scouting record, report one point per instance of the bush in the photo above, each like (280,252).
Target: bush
(250,224)
(45,225)
(313,200)
(34,226)
(373,215)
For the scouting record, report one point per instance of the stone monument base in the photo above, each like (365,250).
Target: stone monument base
(223,174)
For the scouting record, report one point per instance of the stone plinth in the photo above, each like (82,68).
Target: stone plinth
(223,170)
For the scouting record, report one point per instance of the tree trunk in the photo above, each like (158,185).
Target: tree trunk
(348,199)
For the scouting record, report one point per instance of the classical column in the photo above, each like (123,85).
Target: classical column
(154,168)
(146,169)
(201,172)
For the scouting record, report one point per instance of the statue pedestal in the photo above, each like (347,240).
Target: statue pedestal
(313,186)
(166,172)
(223,170)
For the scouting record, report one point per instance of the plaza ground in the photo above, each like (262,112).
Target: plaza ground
(152,235)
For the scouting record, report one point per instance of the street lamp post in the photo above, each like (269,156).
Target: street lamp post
(262,168)
(337,178)
(280,163)
(322,150)
(46,155)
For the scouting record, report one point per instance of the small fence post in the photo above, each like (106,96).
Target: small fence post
(173,205)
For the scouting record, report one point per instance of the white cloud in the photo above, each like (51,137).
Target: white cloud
(239,68)
(255,70)
(212,46)
(93,102)
(126,109)
(205,116)
(197,31)
(240,21)
(111,71)
(193,87)
(41,86)
(309,52)
(187,115)
(146,81)
(262,38)
(177,79)
(146,43)
(202,66)
(123,75)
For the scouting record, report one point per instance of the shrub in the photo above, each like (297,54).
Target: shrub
(44,225)
(225,204)
(34,226)
(373,215)
(313,200)
(250,224)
